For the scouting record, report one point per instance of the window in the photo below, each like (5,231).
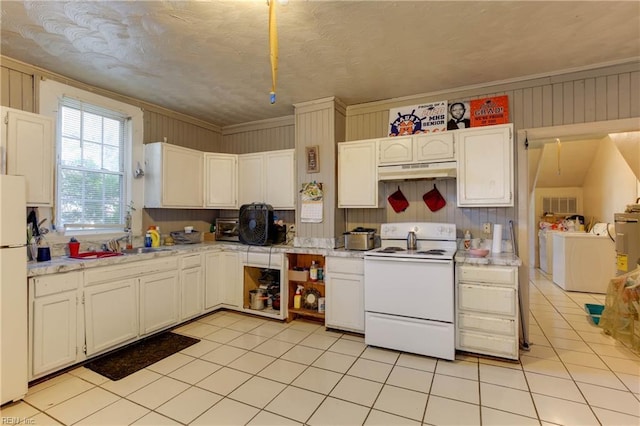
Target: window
(90,174)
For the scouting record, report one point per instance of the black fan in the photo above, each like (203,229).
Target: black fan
(256,224)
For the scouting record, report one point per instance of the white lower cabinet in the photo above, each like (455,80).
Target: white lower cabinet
(191,286)
(110,314)
(54,323)
(222,280)
(344,284)
(159,299)
(487,319)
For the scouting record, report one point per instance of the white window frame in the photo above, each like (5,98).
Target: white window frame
(84,107)
(51,92)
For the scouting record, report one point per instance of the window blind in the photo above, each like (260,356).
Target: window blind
(91,178)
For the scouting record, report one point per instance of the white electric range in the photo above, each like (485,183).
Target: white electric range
(409,294)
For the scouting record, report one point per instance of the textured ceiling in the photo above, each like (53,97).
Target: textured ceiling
(210,59)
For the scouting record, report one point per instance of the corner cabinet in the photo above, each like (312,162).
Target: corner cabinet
(345,294)
(29,152)
(267,177)
(485,166)
(358,185)
(173,176)
(487,315)
(221,180)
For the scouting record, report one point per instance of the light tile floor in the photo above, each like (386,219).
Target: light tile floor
(248,370)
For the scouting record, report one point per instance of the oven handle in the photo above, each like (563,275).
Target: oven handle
(404,259)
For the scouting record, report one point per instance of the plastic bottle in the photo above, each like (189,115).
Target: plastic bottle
(467,240)
(147,239)
(297,298)
(313,271)
(155,236)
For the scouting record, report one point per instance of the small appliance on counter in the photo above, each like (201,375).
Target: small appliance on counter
(227,229)
(361,239)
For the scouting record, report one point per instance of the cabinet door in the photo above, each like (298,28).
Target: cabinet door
(358,185)
(251,178)
(396,150)
(222,280)
(434,147)
(345,302)
(107,326)
(30,154)
(158,301)
(231,280)
(54,332)
(221,180)
(182,177)
(212,273)
(280,179)
(191,292)
(485,166)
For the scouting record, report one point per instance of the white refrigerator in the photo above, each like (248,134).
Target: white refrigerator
(13,289)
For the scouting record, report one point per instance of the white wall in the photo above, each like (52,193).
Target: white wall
(609,185)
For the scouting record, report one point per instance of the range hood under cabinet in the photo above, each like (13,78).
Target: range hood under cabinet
(420,156)
(445,169)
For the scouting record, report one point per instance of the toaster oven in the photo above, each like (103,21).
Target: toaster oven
(227,229)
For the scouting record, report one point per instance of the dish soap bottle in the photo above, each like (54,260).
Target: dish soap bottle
(313,271)
(297,298)
(467,240)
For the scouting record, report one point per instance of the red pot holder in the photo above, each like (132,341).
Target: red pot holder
(398,201)
(434,200)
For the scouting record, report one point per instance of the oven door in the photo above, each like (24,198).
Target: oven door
(416,288)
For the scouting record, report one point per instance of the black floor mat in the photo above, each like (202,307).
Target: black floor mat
(121,363)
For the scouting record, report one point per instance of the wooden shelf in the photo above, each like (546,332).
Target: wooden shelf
(311,283)
(306,313)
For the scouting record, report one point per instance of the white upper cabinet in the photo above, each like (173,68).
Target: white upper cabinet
(434,147)
(251,182)
(396,150)
(29,152)
(221,180)
(485,166)
(418,148)
(280,179)
(173,176)
(267,177)
(358,185)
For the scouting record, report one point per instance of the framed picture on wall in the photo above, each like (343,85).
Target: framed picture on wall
(313,159)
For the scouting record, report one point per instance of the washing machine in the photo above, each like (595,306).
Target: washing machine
(583,261)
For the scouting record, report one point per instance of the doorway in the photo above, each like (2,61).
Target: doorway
(530,143)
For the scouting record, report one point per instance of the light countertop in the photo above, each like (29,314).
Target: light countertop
(66,264)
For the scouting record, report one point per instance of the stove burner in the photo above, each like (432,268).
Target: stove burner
(391,249)
(438,252)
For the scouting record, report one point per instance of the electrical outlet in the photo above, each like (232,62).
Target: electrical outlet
(486,228)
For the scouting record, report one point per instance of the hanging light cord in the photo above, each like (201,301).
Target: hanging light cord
(273,49)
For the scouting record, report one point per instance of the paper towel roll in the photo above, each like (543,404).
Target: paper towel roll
(496,245)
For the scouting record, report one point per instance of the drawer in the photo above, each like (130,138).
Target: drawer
(487,344)
(117,272)
(344,265)
(191,261)
(56,283)
(488,274)
(487,324)
(488,299)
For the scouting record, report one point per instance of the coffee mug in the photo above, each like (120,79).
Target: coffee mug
(44,254)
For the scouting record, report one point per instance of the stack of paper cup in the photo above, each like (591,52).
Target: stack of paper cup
(496,246)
